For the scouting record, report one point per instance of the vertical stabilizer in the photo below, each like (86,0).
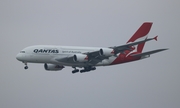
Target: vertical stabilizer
(141,34)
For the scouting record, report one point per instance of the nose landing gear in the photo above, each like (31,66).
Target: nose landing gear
(25,67)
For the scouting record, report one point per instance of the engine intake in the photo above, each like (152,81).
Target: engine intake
(80,58)
(106,52)
(52,67)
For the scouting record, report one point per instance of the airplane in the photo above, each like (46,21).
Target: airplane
(56,58)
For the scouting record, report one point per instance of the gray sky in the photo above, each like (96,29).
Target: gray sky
(149,83)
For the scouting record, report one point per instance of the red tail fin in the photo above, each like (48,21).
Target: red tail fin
(141,34)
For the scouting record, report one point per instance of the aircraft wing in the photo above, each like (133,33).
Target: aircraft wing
(148,53)
(94,57)
(66,59)
(122,48)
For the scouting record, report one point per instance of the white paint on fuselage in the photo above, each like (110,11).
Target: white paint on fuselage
(63,52)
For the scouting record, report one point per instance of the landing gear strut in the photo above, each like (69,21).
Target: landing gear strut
(25,67)
(75,70)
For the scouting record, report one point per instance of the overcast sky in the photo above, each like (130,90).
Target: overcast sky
(149,83)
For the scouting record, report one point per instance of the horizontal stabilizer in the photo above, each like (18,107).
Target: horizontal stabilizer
(148,53)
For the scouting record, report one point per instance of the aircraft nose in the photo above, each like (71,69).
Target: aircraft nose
(19,57)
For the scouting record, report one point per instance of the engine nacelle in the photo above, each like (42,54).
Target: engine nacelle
(80,58)
(106,52)
(52,67)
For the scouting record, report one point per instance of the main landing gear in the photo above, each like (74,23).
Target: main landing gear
(86,69)
(25,67)
(75,70)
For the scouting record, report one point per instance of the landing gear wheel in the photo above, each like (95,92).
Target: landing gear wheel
(26,67)
(82,71)
(75,71)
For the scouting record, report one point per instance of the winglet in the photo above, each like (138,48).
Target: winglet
(155,38)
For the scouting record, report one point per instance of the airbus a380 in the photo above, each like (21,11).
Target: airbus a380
(57,57)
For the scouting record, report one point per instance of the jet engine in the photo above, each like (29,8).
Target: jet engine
(106,52)
(52,67)
(80,58)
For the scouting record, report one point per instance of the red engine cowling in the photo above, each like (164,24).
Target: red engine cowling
(80,58)
(106,52)
(52,67)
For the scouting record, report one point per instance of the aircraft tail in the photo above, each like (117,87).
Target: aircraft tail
(140,35)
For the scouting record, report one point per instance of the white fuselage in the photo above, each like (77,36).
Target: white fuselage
(49,54)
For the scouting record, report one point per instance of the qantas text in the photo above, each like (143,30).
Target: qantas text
(46,51)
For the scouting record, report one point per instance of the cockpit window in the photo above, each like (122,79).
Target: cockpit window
(22,51)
